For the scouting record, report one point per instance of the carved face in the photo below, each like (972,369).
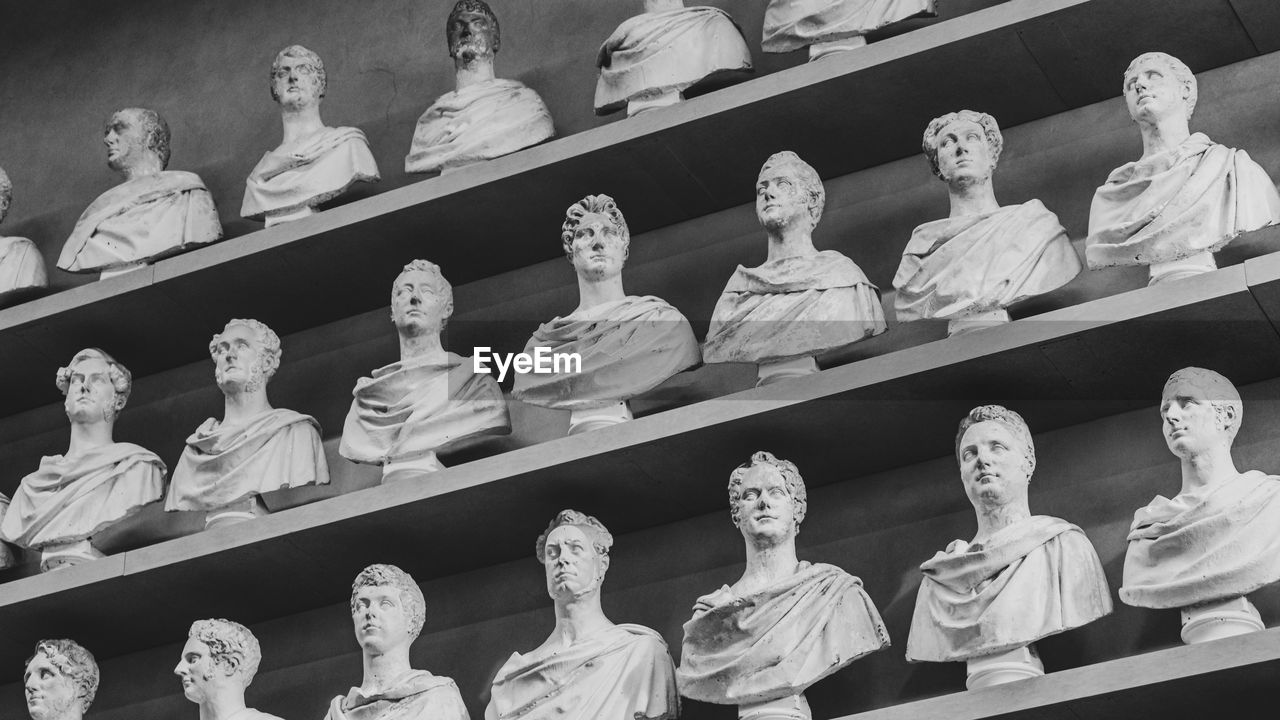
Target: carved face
(780,199)
(599,249)
(1152,92)
(381,618)
(90,395)
(417,305)
(295,82)
(964,155)
(50,693)
(766,510)
(197,670)
(471,36)
(238,360)
(1191,424)
(126,141)
(573,566)
(993,464)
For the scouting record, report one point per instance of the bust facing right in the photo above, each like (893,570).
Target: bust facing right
(60,680)
(1216,541)
(217,664)
(21,266)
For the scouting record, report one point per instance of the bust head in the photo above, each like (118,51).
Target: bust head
(245,356)
(387,609)
(96,386)
(1158,86)
(595,237)
(219,655)
(472,31)
(767,499)
(297,78)
(60,680)
(789,192)
(1201,410)
(421,299)
(136,137)
(6,194)
(963,147)
(574,551)
(996,456)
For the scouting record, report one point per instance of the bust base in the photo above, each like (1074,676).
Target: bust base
(1004,667)
(410,469)
(1197,264)
(1221,619)
(818,51)
(769,373)
(121,270)
(652,100)
(236,512)
(279,218)
(581,421)
(792,707)
(977,321)
(64,555)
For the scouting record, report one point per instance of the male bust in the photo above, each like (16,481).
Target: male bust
(1187,196)
(217,664)
(98,482)
(430,399)
(7,558)
(801,302)
(628,344)
(1021,578)
(154,213)
(785,624)
(484,117)
(314,163)
(589,668)
(388,611)
(970,266)
(254,448)
(831,26)
(21,266)
(652,58)
(1216,541)
(60,681)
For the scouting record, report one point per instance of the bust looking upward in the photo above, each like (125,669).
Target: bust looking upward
(60,680)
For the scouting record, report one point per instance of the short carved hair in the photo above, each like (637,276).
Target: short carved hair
(1220,392)
(810,181)
(76,663)
(473,6)
(598,204)
(6,193)
(1011,420)
(227,641)
(121,378)
(990,129)
(790,475)
(1180,71)
(442,285)
(410,594)
(601,538)
(270,360)
(156,132)
(298,51)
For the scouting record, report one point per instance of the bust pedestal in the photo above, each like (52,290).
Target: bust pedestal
(53,557)
(769,373)
(237,512)
(112,272)
(1008,666)
(792,707)
(1221,619)
(653,101)
(284,217)
(976,321)
(818,51)
(1177,269)
(581,421)
(411,468)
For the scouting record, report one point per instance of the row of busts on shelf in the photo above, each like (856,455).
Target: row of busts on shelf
(786,623)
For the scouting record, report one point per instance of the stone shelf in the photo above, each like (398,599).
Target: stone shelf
(1022,60)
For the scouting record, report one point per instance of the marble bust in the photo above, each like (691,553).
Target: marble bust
(21,265)
(1021,578)
(388,612)
(60,680)
(430,398)
(7,558)
(589,668)
(255,448)
(801,302)
(830,26)
(1216,541)
(1187,196)
(98,482)
(970,266)
(653,57)
(152,214)
(483,117)
(314,163)
(628,344)
(785,624)
(217,664)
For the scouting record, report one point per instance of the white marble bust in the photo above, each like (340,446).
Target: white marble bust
(98,482)
(388,612)
(217,664)
(314,163)
(483,117)
(21,265)
(154,213)
(1021,578)
(654,57)
(1187,196)
(982,258)
(589,668)
(430,398)
(60,680)
(1216,541)
(786,623)
(628,344)
(254,448)
(831,26)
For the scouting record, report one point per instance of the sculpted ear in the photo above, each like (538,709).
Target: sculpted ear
(230,664)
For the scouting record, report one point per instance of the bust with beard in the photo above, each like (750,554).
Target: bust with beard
(60,680)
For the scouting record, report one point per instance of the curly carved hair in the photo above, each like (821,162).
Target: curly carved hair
(410,594)
(269,361)
(1220,392)
(298,51)
(473,6)
(76,663)
(929,143)
(441,285)
(810,181)
(229,642)
(601,538)
(6,193)
(121,378)
(597,204)
(790,475)
(1011,420)
(1180,71)
(155,129)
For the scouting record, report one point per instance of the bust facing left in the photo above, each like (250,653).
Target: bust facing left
(98,482)
(314,163)
(255,448)
(60,681)
(217,664)
(154,213)
(21,266)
